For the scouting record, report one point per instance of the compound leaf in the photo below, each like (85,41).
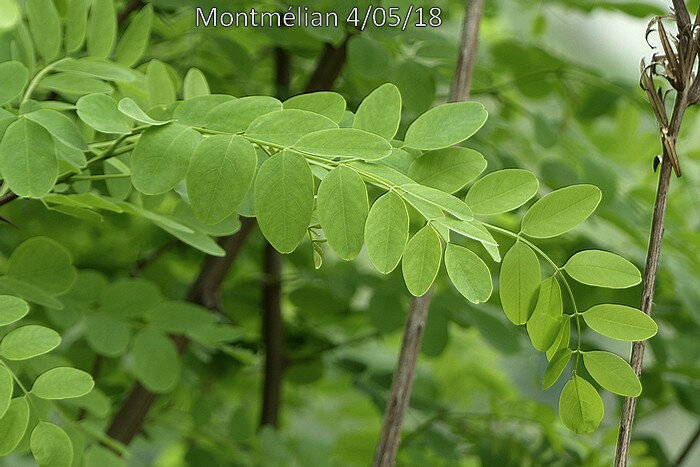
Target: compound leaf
(195,84)
(45,26)
(44,264)
(234,116)
(13,79)
(13,425)
(102,28)
(12,309)
(326,103)
(556,367)
(134,41)
(545,322)
(101,113)
(286,127)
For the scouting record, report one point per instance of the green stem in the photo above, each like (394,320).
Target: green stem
(24,389)
(94,178)
(38,77)
(557,270)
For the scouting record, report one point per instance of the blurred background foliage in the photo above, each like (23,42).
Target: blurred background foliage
(559,79)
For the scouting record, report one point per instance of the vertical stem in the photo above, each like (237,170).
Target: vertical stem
(273,337)
(688,448)
(402,383)
(404,374)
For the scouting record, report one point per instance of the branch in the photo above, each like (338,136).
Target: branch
(461,84)
(129,420)
(688,448)
(669,137)
(404,374)
(328,68)
(273,337)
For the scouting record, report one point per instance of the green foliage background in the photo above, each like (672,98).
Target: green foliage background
(477,397)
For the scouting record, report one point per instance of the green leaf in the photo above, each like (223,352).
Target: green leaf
(28,292)
(106,334)
(9,14)
(74,84)
(195,84)
(13,79)
(76,24)
(102,28)
(196,239)
(98,68)
(194,111)
(161,89)
(28,159)
(470,229)
(131,109)
(62,383)
(13,425)
(421,260)
(386,232)
(101,113)
(61,127)
(234,116)
(45,25)
(342,211)
(344,142)
(12,309)
(468,273)
(154,217)
(448,169)
(7,384)
(176,317)
(161,157)
(556,367)
(51,446)
(284,198)
(134,41)
(129,298)
(602,269)
(561,211)
(156,361)
(545,322)
(326,103)
(380,112)
(612,373)
(445,125)
(219,176)
(620,322)
(580,406)
(43,263)
(502,191)
(229,226)
(562,339)
(519,282)
(29,341)
(418,194)
(286,127)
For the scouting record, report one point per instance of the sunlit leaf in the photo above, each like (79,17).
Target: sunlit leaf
(469,274)
(612,373)
(580,406)
(386,232)
(421,260)
(620,322)
(602,269)
(519,282)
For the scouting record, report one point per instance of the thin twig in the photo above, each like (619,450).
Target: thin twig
(404,374)
(273,337)
(688,448)
(669,136)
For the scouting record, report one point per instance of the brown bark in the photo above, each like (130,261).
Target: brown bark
(273,337)
(404,374)
(329,67)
